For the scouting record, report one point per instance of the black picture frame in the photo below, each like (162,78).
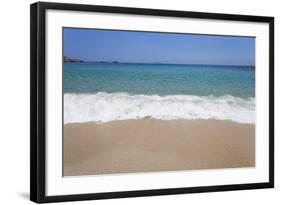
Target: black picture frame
(38,101)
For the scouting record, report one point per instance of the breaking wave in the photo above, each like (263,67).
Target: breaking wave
(105,107)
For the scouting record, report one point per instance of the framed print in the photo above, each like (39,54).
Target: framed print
(129,102)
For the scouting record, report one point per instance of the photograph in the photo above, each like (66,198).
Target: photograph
(139,101)
(142,101)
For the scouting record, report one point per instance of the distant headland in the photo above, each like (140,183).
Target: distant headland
(67,59)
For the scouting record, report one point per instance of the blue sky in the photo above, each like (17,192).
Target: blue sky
(150,47)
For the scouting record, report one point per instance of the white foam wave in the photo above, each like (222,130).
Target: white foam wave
(105,107)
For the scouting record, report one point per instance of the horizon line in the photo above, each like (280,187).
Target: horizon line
(120,62)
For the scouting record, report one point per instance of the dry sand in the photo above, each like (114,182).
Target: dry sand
(149,145)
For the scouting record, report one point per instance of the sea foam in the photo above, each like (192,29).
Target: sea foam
(104,107)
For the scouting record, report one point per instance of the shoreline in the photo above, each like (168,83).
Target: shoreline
(152,145)
(151,118)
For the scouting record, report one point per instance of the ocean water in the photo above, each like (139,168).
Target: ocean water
(103,92)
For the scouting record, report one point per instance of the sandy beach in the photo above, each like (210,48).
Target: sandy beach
(150,145)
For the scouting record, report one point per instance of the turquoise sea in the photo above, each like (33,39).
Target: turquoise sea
(104,92)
